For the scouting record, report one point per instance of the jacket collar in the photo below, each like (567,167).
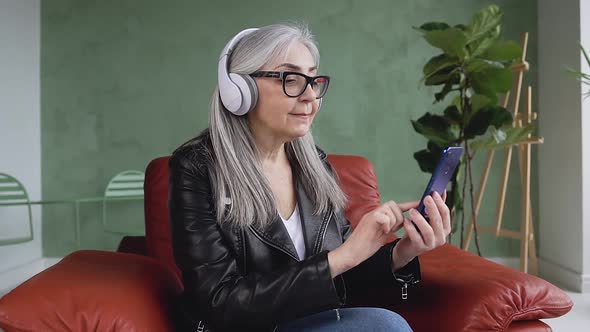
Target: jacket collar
(276,233)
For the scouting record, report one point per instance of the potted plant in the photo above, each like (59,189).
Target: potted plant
(472,67)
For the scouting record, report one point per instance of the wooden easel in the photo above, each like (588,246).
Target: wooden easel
(526,233)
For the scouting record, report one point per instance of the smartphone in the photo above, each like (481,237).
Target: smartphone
(450,159)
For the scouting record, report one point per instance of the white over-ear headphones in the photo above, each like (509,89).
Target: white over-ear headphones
(238,93)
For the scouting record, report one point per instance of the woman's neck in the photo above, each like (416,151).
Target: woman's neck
(271,149)
(273,156)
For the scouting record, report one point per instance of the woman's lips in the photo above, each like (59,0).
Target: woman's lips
(301,115)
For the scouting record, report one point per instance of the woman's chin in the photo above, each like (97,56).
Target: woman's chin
(298,132)
(302,130)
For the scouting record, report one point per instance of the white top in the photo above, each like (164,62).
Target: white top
(293,225)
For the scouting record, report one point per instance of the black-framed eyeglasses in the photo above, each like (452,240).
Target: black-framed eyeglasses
(294,83)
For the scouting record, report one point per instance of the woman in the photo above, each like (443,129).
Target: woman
(258,226)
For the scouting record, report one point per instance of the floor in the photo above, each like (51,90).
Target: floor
(576,320)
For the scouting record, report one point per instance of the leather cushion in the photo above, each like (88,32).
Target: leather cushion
(359,182)
(157,218)
(460,290)
(463,292)
(93,291)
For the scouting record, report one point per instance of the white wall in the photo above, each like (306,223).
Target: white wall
(585,40)
(564,158)
(20,131)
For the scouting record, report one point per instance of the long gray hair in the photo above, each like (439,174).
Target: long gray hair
(237,173)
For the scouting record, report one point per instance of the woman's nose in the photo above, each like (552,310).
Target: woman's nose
(309,94)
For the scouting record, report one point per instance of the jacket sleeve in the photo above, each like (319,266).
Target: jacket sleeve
(376,271)
(215,287)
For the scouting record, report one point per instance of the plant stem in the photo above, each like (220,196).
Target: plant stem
(473,215)
(453,206)
(462,93)
(464,185)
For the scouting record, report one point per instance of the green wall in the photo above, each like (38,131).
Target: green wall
(124,82)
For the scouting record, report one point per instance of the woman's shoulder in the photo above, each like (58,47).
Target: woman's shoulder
(196,153)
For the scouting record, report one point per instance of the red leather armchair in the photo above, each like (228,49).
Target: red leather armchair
(132,289)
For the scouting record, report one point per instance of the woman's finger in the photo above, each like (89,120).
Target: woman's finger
(445,214)
(424,228)
(434,218)
(397,213)
(408,205)
(384,221)
(384,209)
(412,233)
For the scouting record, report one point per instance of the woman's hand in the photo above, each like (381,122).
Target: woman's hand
(369,235)
(431,235)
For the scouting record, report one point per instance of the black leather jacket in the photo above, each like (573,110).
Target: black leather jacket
(252,279)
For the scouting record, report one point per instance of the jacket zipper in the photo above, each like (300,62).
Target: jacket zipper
(323,231)
(405,291)
(405,285)
(200,327)
(243,242)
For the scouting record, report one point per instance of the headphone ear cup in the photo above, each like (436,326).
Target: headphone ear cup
(248,90)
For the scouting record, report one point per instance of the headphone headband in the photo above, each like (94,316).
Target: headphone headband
(230,45)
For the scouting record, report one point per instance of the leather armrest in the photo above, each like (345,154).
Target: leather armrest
(464,292)
(94,291)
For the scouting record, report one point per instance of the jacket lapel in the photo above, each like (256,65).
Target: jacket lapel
(277,236)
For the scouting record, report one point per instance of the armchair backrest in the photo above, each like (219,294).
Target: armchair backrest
(356,175)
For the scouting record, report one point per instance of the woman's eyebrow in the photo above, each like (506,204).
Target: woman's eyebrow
(294,67)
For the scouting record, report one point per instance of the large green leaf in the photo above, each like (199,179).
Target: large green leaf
(439,96)
(484,22)
(486,91)
(452,41)
(478,124)
(430,26)
(475,65)
(478,102)
(492,81)
(453,115)
(512,136)
(481,45)
(438,63)
(443,76)
(495,116)
(503,50)
(435,128)
(501,117)
(435,148)
(426,160)
(461,27)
